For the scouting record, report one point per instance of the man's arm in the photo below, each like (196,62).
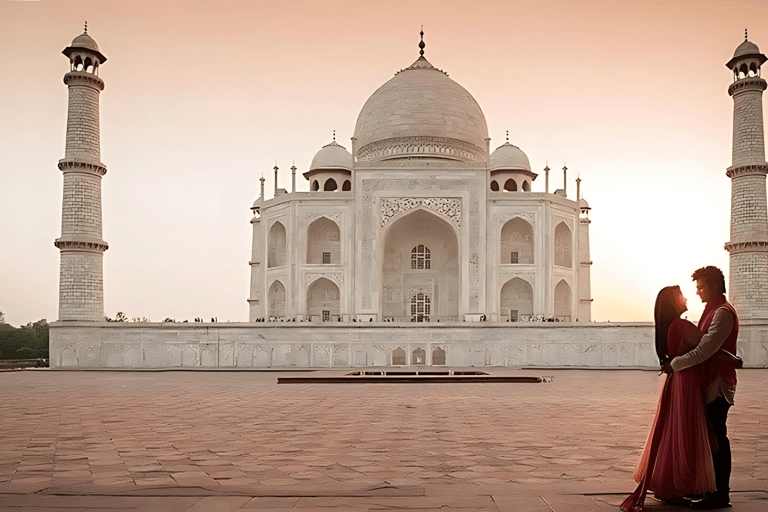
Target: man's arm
(721,327)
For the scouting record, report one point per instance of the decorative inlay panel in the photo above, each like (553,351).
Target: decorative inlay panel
(450,207)
(421,145)
(335,276)
(308,217)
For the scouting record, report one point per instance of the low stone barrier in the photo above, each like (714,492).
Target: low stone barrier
(301,345)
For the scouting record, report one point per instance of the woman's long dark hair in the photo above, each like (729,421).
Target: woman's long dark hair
(664,313)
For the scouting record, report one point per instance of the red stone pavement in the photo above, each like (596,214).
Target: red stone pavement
(225,441)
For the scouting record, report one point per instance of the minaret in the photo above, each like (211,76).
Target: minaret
(585,262)
(255,303)
(748,247)
(81,288)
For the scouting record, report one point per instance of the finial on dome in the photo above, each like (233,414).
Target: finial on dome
(507,136)
(334,135)
(421,43)
(85,29)
(745,34)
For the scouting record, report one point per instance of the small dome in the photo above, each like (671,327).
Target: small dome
(509,157)
(584,205)
(746,48)
(84,41)
(332,156)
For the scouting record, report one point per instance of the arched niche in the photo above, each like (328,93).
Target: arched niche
(494,186)
(563,301)
(438,356)
(323,242)
(517,242)
(315,185)
(276,300)
(439,282)
(510,185)
(276,246)
(347,186)
(526,186)
(398,357)
(419,356)
(330,185)
(516,300)
(323,300)
(563,246)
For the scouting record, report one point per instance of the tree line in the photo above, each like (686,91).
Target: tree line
(26,342)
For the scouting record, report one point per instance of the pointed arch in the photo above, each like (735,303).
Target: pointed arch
(439,283)
(347,186)
(563,246)
(438,357)
(323,242)
(330,185)
(315,185)
(526,186)
(323,300)
(276,299)
(398,357)
(494,186)
(510,185)
(419,356)
(517,242)
(516,300)
(276,246)
(563,301)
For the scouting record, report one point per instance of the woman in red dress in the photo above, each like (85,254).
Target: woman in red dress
(677,459)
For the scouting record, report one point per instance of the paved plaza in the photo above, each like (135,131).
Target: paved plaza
(224,441)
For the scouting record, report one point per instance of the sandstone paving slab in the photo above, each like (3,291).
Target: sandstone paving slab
(219,504)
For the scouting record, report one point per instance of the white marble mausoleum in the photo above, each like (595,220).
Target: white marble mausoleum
(421,222)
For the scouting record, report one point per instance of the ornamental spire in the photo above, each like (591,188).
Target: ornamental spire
(421,43)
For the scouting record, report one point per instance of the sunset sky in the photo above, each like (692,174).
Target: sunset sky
(203,97)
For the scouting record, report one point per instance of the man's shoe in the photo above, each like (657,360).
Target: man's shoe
(678,501)
(712,502)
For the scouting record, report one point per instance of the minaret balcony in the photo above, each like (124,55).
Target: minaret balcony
(749,83)
(751,246)
(84,244)
(82,165)
(84,78)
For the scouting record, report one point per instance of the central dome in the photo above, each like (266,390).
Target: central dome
(421,113)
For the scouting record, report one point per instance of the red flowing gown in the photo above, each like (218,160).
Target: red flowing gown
(678,450)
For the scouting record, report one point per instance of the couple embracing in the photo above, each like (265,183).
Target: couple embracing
(687,458)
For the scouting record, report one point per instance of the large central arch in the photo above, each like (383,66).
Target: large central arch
(421,256)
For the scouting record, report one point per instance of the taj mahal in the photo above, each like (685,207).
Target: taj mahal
(421,222)
(420,245)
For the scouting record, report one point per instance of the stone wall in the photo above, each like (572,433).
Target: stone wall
(84,345)
(231,345)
